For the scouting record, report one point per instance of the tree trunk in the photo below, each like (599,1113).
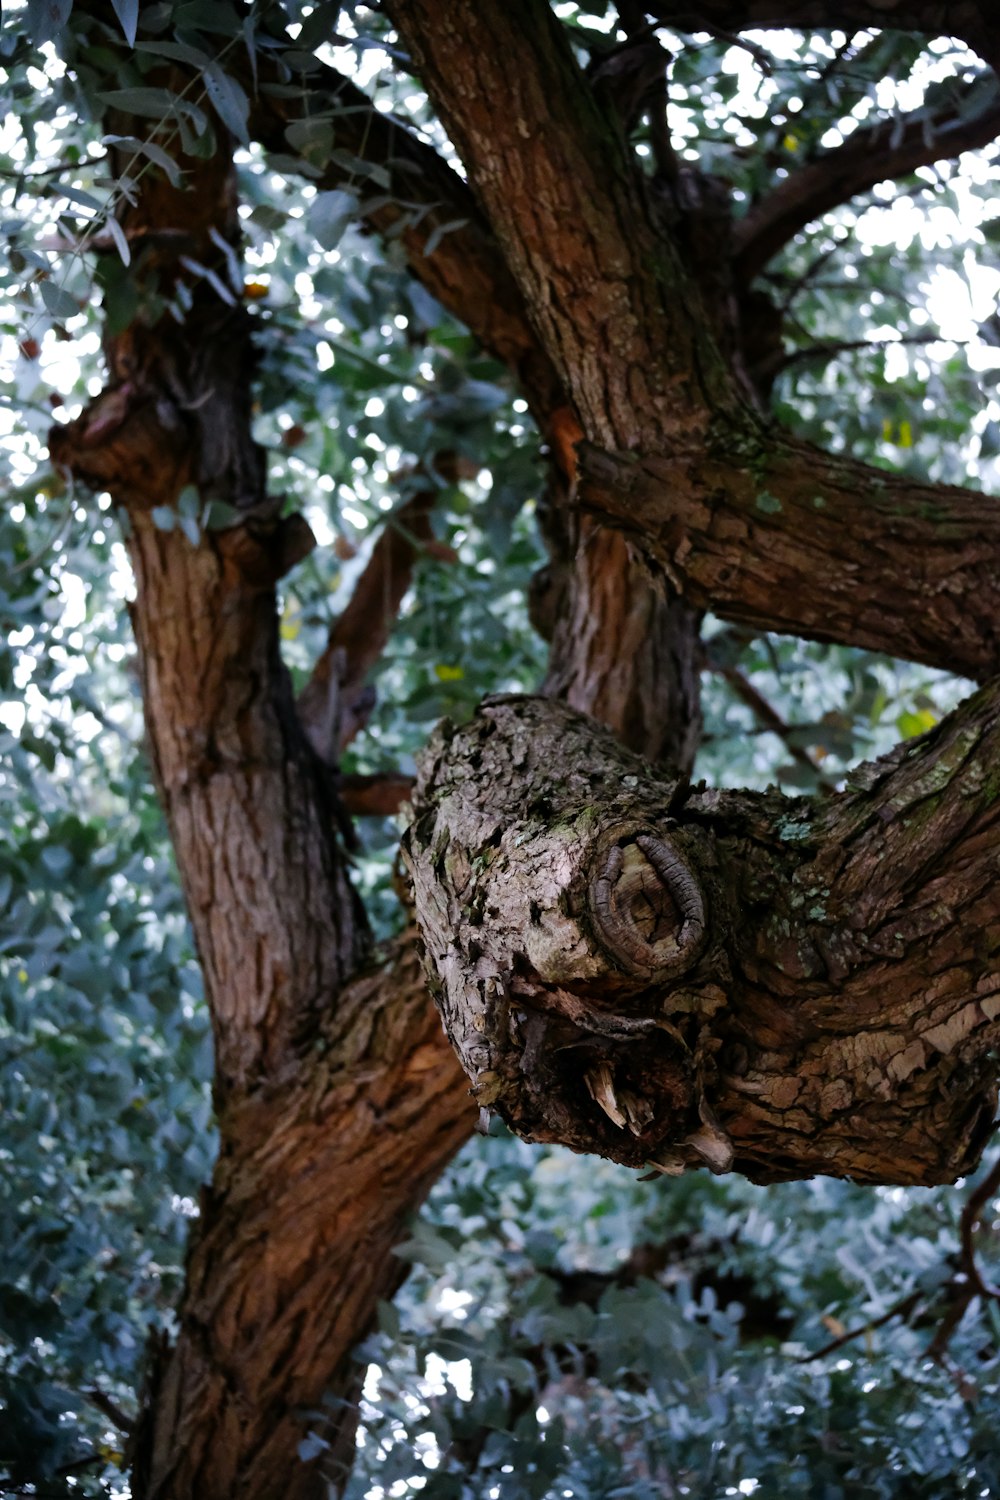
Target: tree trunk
(662,976)
(338,1098)
(316,1177)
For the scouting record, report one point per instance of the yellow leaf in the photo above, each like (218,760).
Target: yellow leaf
(448,674)
(915,721)
(791,143)
(905,435)
(290,621)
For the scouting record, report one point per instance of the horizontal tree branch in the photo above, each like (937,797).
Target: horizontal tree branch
(379,795)
(775,534)
(892,148)
(777,986)
(972,20)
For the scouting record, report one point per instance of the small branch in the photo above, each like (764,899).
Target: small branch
(901,1309)
(829,348)
(763,59)
(336,702)
(769,718)
(377,796)
(111,1409)
(971,1215)
(869,156)
(928,16)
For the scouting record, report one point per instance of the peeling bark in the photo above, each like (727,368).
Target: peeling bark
(741,981)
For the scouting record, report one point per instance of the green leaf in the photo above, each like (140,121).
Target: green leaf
(121,243)
(312,138)
(188,502)
(329,215)
(152,151)
(152,103)
(164,517)
(58,301)
(191,529)
(438,233)
(46,19)
(127,12)
(77,195)
(218,516)
(230,102)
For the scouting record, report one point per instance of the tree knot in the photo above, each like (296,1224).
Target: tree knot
(646,904)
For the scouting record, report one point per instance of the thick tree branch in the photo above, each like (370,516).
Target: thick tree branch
(315,1179)
(775,534)
(780,986)
(612,305)
(276,925)
(892,148)
(378,795)
(640,677)
(339,1100)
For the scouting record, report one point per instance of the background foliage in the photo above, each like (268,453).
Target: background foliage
(567,1329)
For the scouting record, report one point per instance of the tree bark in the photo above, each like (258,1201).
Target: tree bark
(775,534)
(316,1177)
(338,1101)
(657,975)
(772,985)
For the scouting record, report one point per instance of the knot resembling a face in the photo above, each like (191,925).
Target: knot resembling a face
(647,904)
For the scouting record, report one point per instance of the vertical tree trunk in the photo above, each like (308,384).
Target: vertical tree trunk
(339,1099)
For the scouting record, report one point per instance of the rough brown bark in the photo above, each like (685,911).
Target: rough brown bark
(753,982)
(775,534)
(337,1106)
(612,305)
(683,979)
(316,1176)
(626,650)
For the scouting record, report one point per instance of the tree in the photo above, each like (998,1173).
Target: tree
(663,973)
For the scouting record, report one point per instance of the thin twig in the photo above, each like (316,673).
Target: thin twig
(769,718)
(971,1214)
(111,1409)
(901,1309)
